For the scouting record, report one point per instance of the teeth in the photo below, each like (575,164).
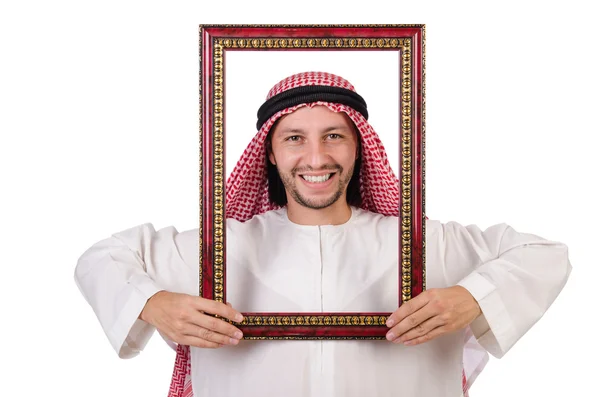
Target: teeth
(316,179)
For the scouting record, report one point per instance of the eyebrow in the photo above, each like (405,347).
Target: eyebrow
(300,130)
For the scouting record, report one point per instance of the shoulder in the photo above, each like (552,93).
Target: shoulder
(376,226)
(255,230)
(258,223)
(451,230)
(246,237)
(365,217)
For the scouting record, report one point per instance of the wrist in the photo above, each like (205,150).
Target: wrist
(147,307)
(473,304)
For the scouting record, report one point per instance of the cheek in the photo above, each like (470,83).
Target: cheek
(349,157)
(285,158)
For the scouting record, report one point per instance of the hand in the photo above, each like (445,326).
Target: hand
(181,318)
(433,313)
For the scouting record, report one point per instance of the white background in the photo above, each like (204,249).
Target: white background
(99,123)
(247,86)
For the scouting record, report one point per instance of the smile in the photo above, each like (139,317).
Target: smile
(317,179)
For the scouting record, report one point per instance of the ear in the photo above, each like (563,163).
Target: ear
(356,138)
(270,154)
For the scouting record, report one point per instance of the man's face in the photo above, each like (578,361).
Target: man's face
(314,150)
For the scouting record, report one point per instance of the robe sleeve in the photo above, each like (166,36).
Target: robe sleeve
(514,277)
(119,274)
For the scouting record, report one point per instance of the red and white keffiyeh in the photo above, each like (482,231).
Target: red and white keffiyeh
(247,190)
(247,187)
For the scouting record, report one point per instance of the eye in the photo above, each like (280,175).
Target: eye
(293,138)
(334,136)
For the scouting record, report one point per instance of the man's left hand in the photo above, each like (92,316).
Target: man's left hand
(432,313)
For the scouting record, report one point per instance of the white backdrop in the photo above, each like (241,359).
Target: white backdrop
(99,132)
(251,74)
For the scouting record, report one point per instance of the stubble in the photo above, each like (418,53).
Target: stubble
(289,182)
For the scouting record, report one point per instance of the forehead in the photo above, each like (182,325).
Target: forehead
(313,118)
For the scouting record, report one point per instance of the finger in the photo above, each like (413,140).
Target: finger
(198,342)
(211,336)
(217,325)
(407,309)
(420,330)
(220,309)
(410,322)
(436,332)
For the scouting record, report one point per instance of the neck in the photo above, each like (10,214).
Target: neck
(336,214)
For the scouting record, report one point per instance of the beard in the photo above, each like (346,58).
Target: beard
(289,182)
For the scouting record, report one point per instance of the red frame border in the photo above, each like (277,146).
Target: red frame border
(264,326)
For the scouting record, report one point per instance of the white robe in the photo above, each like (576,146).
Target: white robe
(276,265)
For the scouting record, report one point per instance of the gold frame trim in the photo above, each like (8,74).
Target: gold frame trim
(218,166)
(313,320)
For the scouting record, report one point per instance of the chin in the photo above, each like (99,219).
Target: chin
(317,202)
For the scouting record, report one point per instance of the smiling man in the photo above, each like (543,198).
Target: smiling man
(313,152)
(312,225)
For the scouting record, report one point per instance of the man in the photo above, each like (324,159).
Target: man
(312,226)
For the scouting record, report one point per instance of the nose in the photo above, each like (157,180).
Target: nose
(317,154)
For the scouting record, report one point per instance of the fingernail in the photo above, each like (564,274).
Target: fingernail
(233,341)
(389,322)
(238,335)
(408,343)
(239,318)
(390,336)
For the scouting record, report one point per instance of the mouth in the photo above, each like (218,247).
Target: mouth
(317,178)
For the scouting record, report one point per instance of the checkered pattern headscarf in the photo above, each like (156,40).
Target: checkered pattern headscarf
(247,187)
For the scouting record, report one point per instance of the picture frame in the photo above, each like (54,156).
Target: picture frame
(408,43)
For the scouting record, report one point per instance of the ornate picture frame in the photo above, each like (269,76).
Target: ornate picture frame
(408,42)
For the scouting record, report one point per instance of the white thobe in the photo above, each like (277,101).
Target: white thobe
(276,265)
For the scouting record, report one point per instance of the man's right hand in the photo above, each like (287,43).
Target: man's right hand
(181,318)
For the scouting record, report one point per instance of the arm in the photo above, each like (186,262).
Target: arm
(500,282)
(119,274)
(514,277)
